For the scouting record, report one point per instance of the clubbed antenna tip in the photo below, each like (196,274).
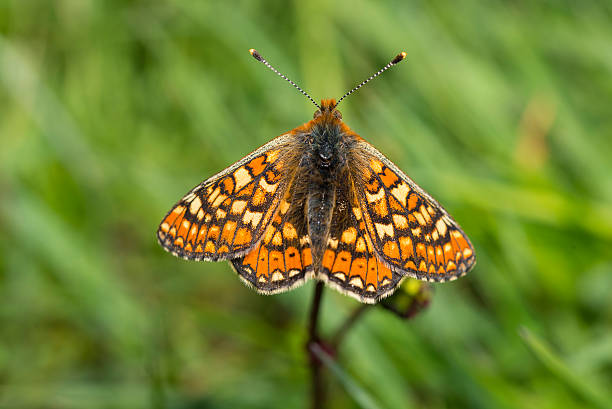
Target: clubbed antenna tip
(255,54)
(397,58)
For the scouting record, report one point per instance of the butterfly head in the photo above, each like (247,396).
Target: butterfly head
(328,111)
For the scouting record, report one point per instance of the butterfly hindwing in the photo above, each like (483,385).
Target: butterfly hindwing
(225,215)
(410,231)
(349,262)
(282,260)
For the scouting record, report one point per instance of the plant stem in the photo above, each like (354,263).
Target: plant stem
(318,391)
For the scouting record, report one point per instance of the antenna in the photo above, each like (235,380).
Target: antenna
(394,61)
(258,57)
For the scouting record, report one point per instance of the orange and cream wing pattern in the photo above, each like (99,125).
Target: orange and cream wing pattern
(282,260)
(411,233)
(349,263)
(224,216)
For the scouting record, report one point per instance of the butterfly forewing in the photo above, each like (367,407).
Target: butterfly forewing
(410,231)
(224,216)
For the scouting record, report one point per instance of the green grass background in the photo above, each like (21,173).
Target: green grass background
(111,110)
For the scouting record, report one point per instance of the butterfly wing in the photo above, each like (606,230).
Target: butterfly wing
(224,216)
(282,260)
(350,263)
(411,233)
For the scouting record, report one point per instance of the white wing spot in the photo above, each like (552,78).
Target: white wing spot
(195,205)
(384,229)
(238,206)
(400,221)
(252,217)
(401,193)
(340,276)
(242,177)
(356,281)
(441,227)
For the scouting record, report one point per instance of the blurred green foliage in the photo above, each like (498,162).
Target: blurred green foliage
(112,110)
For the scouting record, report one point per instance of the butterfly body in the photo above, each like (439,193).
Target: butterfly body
(321,167)
(318,202)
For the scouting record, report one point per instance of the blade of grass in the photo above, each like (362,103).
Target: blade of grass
(558,368)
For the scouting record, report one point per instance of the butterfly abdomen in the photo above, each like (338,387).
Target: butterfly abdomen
(319,210)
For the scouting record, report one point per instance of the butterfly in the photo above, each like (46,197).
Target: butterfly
(319,202)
